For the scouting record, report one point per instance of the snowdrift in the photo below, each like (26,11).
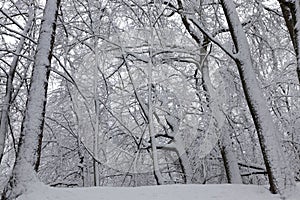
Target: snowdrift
(167,192)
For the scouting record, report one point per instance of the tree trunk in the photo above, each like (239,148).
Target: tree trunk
(156,171)
(291,14)
(215,103)
(177,146)
(279,172)
(97,113)
(229,160)
(9,85)
(28,155)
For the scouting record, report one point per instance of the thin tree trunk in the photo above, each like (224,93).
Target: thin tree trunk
(28,155)
(215,102)
(157,174)
(97,113)
(148,113)
(9,84)
(177,145)
(229,159)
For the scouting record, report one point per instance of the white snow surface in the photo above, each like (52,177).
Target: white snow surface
(166,192)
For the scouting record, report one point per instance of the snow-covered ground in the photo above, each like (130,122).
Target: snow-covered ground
(168,192)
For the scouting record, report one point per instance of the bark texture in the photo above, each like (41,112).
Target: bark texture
(279,172)
(28,155)
(9,85)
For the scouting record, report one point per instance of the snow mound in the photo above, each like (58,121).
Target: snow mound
(167,192)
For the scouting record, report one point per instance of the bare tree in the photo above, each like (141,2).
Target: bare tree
(28,155)
(279,172)
(9,83)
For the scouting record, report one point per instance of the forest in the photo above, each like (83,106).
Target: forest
(128,93)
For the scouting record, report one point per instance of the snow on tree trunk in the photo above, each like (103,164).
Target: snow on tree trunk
(215,103)
(279,172)
(157,174)
(183,157)
(97,114)
(148,112)
(28,155)
(177,146)
(229,159)
(9,85)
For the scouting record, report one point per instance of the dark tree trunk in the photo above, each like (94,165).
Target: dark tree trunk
(291,14)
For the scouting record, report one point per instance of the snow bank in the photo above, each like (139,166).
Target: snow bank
(167,192)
